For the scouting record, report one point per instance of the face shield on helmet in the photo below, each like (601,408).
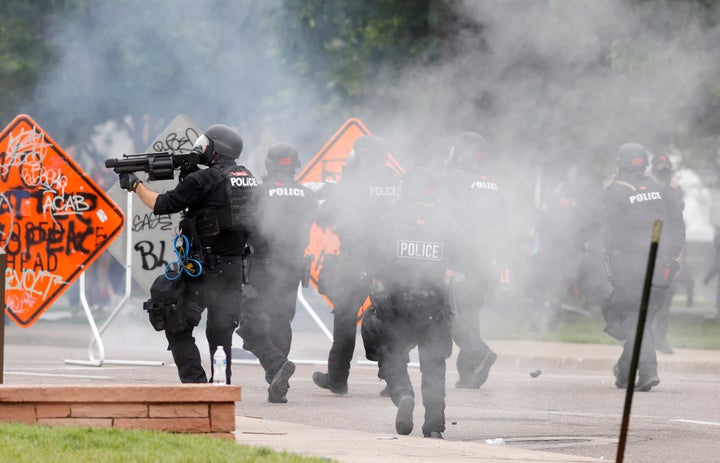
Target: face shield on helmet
(203,147)
(220,141)
(469,148)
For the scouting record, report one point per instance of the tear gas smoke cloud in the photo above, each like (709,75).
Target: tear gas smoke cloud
(531,76)
(536,78)
(541,78)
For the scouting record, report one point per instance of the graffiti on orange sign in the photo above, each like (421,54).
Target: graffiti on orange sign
(54,221)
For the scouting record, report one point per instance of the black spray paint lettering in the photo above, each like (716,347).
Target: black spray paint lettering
(144,222)
(176,143)
(6,228)
(11,202)
(150,258)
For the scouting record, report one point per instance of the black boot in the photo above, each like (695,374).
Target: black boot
(323,380)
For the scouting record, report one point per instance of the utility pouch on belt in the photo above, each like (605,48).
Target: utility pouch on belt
(381,301)
(165,304)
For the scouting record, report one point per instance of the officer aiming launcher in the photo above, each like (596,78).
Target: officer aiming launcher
(159,166)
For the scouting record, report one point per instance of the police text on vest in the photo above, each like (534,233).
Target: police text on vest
(419,250)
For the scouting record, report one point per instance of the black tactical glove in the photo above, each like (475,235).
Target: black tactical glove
(129,181)
(188,169)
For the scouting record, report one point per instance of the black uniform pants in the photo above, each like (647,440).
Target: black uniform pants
(433,338)
(268,309)
(219,291)
(345,318)
(469,298)
(621,310)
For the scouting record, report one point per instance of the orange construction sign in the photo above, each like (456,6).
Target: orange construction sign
(326,167)
(54,220)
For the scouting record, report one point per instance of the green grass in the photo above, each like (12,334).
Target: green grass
(20,443)
(687,329)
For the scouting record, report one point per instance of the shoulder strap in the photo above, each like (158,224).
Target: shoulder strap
(626,184)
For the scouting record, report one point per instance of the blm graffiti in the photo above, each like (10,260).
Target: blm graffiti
(152,235)
(54,221)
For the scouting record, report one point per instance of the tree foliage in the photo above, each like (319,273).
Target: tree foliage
(341,43)
(264,66)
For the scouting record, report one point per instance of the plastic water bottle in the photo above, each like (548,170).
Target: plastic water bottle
(219,366)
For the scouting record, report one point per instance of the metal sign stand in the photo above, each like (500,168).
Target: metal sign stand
(97,339)
(308,308)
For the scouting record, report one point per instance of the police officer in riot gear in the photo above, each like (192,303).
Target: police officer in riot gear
(472,195)
(367,188)
(217,219)
(285,212)
(628,207)
(414,248)
(662,172)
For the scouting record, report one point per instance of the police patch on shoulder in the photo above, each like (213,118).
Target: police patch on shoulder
(419,250)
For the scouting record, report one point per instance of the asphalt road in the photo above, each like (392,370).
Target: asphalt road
(571,407)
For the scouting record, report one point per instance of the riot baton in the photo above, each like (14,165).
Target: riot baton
(642,316)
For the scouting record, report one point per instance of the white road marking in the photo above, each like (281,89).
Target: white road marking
(706,423)
(20,373)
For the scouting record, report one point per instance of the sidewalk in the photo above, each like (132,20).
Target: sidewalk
(362,447)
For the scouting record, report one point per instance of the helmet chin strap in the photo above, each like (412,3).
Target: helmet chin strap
(214,158)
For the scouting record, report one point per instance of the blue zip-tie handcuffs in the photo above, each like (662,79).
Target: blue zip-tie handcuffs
(186,264)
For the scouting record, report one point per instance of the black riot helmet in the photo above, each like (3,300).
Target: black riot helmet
(631,157)
(282,157)
(661,167)
(218,141)
(469,148)
(419,185)
(368,150)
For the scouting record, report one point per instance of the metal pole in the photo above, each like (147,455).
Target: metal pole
(96,340)
(3,266)
(308,308)
(642,316)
